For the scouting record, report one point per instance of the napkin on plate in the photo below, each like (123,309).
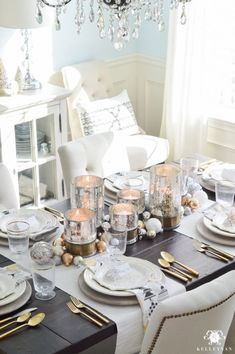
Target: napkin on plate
(119,275)
(225,220)
(7,285)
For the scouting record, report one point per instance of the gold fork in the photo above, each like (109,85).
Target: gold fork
(74,309)
(81,305)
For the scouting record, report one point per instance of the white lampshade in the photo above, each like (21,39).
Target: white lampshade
(21,14)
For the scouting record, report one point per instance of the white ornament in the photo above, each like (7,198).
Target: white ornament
(58,250)
(153,224)
(78,261)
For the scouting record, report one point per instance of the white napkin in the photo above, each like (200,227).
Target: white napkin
(225,220)
(149,296)
(7,285)
(119,275)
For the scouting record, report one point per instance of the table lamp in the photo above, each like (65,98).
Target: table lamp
(20,14)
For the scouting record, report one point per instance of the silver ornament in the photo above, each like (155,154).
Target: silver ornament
(146,215)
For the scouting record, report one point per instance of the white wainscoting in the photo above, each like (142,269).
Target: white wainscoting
(143,77)
(221,139)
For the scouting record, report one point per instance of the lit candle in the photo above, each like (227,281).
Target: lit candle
(80,225)
(123,217)
(132,196)
(88,192)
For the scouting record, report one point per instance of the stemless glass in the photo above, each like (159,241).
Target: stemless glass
(18,236)
(43,270)
(189,168)
(44,279)
(224,193)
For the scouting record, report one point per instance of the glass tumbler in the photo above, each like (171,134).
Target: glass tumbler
(189,168)
(224,193)
(43,270)
(18,236)
(44,279)
(88,192)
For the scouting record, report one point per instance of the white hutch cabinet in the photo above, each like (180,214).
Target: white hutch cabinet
(33,125)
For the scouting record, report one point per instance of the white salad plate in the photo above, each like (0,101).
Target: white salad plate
(143,269)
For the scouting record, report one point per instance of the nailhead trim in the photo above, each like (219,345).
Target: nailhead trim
(157,334)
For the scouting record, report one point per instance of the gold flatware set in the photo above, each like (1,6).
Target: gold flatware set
(76,306)
(25,317)
(167,266)
(214,251)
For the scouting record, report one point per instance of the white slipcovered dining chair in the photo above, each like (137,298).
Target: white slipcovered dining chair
(100,155)
(8,197)
(196,321)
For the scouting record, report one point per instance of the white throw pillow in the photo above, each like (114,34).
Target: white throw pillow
(109,114)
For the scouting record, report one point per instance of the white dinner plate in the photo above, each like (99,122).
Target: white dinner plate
(18,291)
(148,267)
(209,235)
(40,221)
(216,230)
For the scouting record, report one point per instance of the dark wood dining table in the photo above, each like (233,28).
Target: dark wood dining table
(63,333)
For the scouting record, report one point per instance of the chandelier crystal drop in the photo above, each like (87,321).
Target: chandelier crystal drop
(124,17)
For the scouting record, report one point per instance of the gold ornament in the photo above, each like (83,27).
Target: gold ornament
(101,246)
(67,259)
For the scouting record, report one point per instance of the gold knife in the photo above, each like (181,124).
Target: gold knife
(223,253)
(178,276)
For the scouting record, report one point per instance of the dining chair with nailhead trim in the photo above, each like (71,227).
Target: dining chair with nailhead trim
(195,321)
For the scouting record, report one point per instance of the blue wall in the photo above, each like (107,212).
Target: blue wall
(58,48)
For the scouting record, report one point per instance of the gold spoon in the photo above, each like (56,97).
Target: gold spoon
(19,319)
(169,258)
(34,321)
(166,264)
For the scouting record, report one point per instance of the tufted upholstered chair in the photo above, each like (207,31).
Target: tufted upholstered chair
(91,81)
(193,322)
(8,197)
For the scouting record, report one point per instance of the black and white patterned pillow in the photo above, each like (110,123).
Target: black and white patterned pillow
(108,114)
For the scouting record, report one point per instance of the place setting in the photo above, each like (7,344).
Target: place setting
(125,180)
(43,225)
(15,290)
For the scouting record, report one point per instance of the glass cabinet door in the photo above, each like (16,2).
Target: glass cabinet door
(37,142)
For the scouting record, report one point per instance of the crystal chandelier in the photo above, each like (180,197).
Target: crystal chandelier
(124,17)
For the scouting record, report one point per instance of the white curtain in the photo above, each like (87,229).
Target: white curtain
(191,74)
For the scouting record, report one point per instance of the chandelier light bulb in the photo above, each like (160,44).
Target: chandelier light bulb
(124,20)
